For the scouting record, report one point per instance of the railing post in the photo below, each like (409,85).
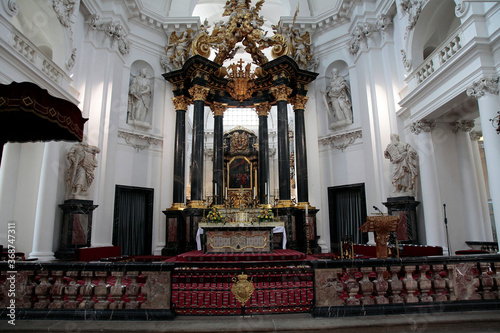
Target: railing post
(381,286)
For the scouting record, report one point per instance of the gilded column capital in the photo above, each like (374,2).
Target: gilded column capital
(422,126)
(262,109)
(198,93)
(218,108)
(281,92)
(462,125)
(299,102)
(480,87)
(181,102)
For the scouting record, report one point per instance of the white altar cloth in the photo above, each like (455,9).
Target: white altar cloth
(276,230)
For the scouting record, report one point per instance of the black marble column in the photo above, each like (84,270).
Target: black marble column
(263,166)
(218,165)
(281,93)
(198,94)
(179,195)
(301,151)
(283,153)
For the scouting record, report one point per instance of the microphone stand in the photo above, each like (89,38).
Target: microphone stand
(447,234)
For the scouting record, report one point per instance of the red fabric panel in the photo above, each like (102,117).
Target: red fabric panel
(29,113)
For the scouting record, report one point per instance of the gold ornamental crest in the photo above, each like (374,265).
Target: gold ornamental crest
(240,85)
(242,288)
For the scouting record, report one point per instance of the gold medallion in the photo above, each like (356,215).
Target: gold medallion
(242,289)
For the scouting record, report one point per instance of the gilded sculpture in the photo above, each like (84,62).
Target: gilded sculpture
(243,26)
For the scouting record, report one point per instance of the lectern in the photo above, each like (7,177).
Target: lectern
(382,226)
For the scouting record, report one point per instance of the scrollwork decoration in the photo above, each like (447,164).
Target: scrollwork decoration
(341,141)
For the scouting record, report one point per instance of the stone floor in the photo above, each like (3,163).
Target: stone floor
(471,321)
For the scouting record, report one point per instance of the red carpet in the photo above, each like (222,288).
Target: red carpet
(277,255)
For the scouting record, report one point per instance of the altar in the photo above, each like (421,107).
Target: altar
(238,237)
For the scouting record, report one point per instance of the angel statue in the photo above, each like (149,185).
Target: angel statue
(177,51)
(302,48)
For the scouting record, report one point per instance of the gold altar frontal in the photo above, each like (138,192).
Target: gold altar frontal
(238,237)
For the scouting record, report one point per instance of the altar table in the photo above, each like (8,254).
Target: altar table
(236,229)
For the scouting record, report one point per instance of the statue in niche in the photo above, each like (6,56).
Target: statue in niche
(80,174)
(139,97)
(337,97)
(405,161)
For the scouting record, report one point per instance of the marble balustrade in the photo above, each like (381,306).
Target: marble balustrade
(144,289)
(428,282)
(341,287)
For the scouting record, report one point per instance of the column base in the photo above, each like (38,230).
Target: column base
(197,204)
(284,204)
(265,206)
(302,205)
(177,206)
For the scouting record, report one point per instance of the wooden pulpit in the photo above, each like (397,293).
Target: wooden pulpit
(382,226)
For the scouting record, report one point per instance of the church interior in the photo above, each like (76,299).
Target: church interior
(163,158)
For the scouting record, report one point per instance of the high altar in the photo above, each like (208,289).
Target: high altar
(241,177)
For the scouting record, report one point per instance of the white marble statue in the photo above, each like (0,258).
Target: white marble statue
(405,162)
(338,99)
(80,174)
(139,99)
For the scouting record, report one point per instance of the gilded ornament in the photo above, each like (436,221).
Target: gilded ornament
(299,102)
(242,288)
(218,108)
(262,109)
(281,92)
(240,85)
(181,102)
(198,93)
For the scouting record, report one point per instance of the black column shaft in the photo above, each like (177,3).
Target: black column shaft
(180,157)
(218,159)
(301,157)
(283,152)
(263,167)
(197,153)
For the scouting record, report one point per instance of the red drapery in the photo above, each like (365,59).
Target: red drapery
(30,113)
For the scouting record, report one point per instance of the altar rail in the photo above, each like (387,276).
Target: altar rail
(145,291)
(418,284)
(81,290)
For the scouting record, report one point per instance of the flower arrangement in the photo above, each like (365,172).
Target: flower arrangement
(214,216)
(265,215)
